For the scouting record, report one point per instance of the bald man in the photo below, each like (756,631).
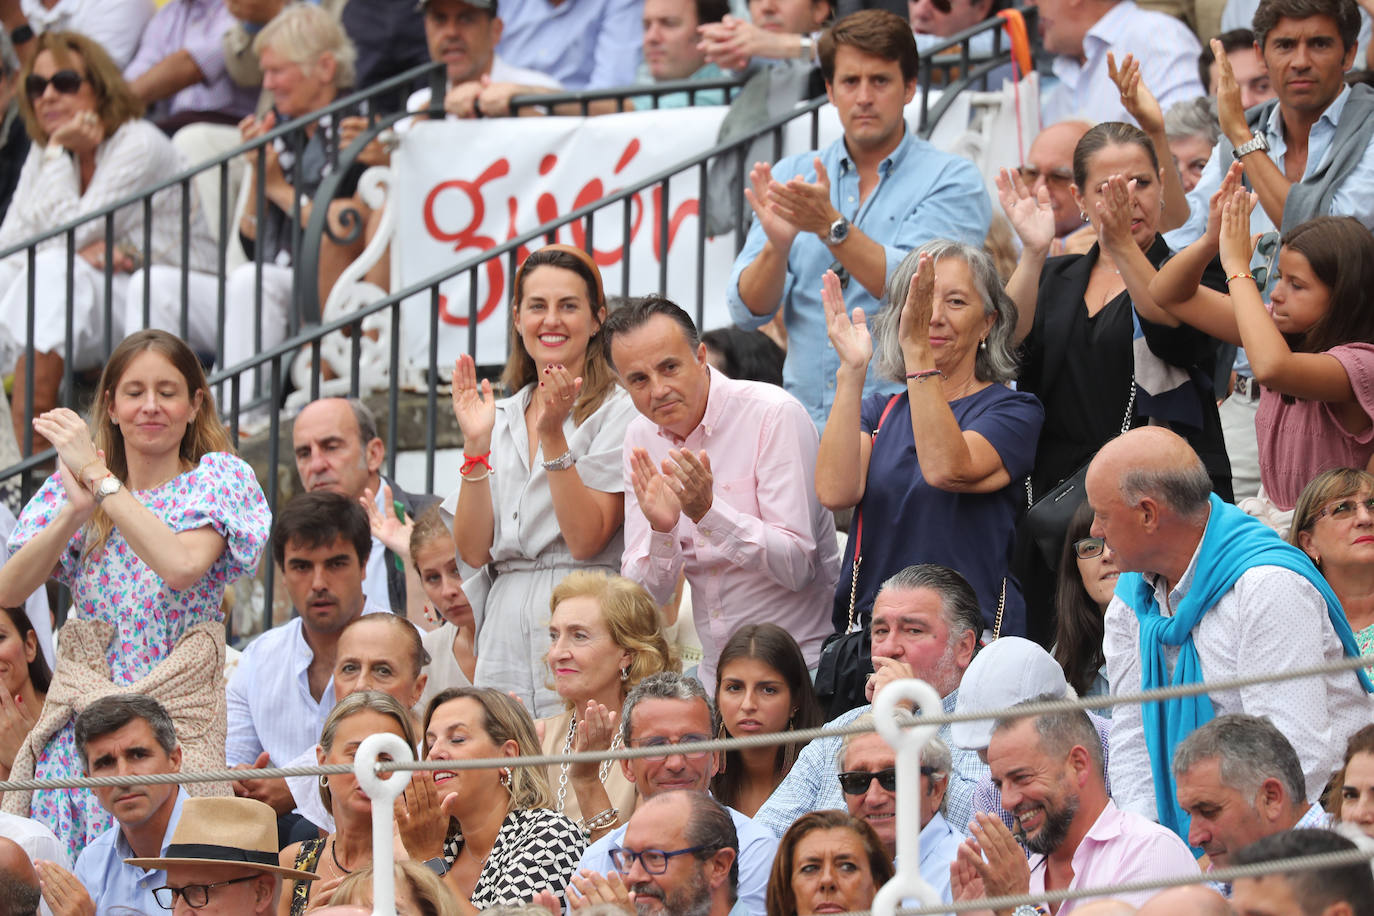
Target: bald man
(1050,162)
(1189,900)
(1208,593)
(19,892)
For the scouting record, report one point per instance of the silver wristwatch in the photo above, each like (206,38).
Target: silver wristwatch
(108,486)
(1025,909)
(561,463)
(839,231)
(1258,143)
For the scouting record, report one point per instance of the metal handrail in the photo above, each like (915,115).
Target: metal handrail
(619,94)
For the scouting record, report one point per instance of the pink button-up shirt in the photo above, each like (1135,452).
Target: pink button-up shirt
(1121,847)
(766,550)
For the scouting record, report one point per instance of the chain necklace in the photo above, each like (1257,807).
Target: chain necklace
(564,766)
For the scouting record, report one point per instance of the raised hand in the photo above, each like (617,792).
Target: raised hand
(689,475)
(272,792)
(81,133)
(473,407)
(886,671)
(79,499)
(1029,211)
(594,732)
(849,336)
(1230,111)
(657,500)
(1235,242)
(420,821)
(16,719)
(1003,866)
(61,890)
(589,888)
(805,204)
(1136,97)
(1230,183)
(1114,209)
(913,327)
(392,530)
(69,434)
(554,398)
(759,194)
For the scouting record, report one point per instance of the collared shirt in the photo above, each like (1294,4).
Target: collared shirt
(757,846)
(1118,848)
(682,99)
(115,24)
(922,194)
(939,846)
(1354,197)
(812,783)
(1166,49)
(194,26)
(270,707)
(584,44)
(374,573)
(114,885)
(1271,620)
(766,549)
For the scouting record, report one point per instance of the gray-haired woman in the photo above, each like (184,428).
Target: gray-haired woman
(941,483)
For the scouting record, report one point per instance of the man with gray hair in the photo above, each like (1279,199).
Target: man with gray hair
(1239,780)
(926,624)
(664,710)
(122,735)
(1049,769)
(1208,593)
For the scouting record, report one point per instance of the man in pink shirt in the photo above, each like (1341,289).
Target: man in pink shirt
(719,484)
(1049,770)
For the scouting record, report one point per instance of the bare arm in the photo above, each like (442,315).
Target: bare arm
(1140,102)
(474,526)
(167,77)
(1269,183)
(842,461)
(31,565)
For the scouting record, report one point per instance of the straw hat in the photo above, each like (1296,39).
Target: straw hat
(225,831)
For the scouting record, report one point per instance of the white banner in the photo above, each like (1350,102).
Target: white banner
(463,187)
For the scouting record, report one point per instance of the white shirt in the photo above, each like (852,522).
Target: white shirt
(1166,48)
(270,705)
(116,24)
(1271,620)
(37,841)
(501,72)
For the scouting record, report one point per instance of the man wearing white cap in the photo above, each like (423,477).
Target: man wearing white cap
(222,860)
(1008,671)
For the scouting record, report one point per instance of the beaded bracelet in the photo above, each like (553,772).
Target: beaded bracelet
(923,375)
(607,818)
(1240,276)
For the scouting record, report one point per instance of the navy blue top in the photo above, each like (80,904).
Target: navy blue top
(906,520)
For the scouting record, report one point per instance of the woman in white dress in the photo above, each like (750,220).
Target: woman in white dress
(541,490)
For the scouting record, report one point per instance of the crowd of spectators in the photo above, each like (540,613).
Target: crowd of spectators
(1138,457)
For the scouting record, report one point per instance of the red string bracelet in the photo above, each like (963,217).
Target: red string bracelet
(472,461)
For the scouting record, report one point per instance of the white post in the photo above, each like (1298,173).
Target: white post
(907,882)
(383,793)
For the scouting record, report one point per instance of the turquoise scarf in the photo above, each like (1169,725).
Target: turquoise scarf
(1232,544)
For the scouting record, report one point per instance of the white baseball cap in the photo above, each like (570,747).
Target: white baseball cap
(1008,671)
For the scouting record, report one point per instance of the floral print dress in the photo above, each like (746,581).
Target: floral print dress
(149,617)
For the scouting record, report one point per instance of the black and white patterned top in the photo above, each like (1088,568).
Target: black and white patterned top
(536,849)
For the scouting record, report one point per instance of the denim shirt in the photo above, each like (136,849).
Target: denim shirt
(922,194)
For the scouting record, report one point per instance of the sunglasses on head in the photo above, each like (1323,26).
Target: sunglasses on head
(66,82)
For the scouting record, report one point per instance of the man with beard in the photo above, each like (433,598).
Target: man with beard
(1050,772)
(680,857)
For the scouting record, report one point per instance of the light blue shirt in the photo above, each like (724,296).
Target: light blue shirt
(922,194)
(812,783)
(112,884)
(939,846)
(584,44)
(681,99)
(1354,197)
(757,847)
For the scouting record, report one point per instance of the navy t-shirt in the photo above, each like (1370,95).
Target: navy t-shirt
(906,520)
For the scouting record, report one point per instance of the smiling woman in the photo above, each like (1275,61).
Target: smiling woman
(147,522)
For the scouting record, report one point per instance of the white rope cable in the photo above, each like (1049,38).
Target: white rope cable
(710,746)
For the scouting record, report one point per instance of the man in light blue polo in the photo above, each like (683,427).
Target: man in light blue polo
(858,206)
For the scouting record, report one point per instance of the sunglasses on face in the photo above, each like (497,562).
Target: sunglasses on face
(856,782)
(1087,548)
(1346,508)
(66,82)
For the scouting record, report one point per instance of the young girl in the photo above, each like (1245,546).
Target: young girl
(452,656)
(1312,348)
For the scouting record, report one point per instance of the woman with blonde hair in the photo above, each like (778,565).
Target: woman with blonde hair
(498,835)
(91,147)
(605,637)
(147,520)
(349,847)
(419,891)
(549,458)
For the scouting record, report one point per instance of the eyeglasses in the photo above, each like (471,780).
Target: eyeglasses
(669,745)
(195,895)
(66,82)
(655,861)
(1059,178)
(1346,508)
(1087,548)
